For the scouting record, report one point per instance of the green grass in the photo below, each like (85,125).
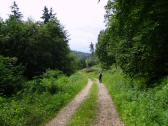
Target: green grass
(93,73)
(87,113)
(138,106)
(40,101)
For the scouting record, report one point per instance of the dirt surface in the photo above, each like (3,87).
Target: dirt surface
(66,113)
(108,115)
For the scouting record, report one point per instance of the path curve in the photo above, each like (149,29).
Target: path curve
(66,113)
(108,115)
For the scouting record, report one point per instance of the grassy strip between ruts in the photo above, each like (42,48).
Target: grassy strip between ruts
(87,113)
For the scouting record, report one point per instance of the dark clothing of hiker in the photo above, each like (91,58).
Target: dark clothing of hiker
(100,78)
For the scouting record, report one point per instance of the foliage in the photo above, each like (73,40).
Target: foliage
(52,74)
(137,105)
(37,103)
(136,38)
(37,46)
(86,114)
(47,16)
(10,75)
(40,52)
(15,12)
(105,55)
(81,58)
(91,61)
(92,48)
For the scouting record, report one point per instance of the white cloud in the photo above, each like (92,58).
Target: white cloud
(83,19)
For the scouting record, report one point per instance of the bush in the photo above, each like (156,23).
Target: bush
(91,61)
(10,75)
(45,83)
(41,99)
(52,74)
(137,105)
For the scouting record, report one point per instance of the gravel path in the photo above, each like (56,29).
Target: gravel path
(108,115)
(66,113)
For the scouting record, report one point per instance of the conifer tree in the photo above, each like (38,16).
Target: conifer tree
(15,12)
(92,48)
(46,15)
(52,15)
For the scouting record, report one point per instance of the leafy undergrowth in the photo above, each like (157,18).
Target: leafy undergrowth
(87,113)
(138,106)
(40,100)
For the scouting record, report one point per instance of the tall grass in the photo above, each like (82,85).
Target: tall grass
(138,106)
(40,101)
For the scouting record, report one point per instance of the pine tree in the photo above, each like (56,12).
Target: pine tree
(52,15)
(92,48)
(46,15)
(15,11)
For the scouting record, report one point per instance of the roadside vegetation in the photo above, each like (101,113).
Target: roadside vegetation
(40,99)
(87,113)
(134,42)
(138,105)
(38,71)
(135,38)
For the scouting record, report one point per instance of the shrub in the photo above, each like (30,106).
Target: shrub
(10,75)
(138,105)
(39,102)
(52,74)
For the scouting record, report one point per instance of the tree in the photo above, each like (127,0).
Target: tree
(52,15)
(15,12)
(48,15)
(92,48)
(37,47)
(104,51)
(11,76)
(136,35)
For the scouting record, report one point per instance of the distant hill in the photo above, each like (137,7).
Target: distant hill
(81,55)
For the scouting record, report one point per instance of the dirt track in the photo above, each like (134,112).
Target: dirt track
(108,115)
(66,113)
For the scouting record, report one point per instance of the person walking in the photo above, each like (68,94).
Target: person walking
(100,77)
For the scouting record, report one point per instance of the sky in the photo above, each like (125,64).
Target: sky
(82,19)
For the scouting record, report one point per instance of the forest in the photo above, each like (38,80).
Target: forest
(133,51)
(29,48)
(136,38)
(36,64)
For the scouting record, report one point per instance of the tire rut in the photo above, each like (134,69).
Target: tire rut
(108,115)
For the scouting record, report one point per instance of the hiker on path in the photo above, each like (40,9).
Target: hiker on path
(100,77)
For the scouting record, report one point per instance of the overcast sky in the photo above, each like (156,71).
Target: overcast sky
(83,19)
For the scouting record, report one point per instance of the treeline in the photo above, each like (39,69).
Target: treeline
(29,48)
(136,38)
